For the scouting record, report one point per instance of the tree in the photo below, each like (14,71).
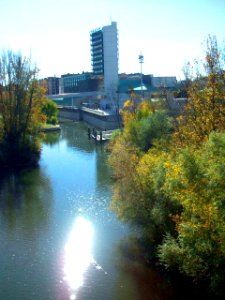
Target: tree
(144,125)
(195,180)
(50,110)
(205,109)
(172,186)
(21,100)
(137,159)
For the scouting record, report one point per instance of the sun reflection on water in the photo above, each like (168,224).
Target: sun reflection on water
(78,254)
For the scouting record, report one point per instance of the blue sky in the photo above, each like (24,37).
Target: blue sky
(56,32)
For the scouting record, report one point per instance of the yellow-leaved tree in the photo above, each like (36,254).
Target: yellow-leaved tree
(195,180)
(21,101)
(204,111)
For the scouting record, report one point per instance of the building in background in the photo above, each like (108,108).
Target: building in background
(167,82)
(104,55)
(146,86)
(69,83)
(104,88)
(77,83)
(135,81)
(52,84)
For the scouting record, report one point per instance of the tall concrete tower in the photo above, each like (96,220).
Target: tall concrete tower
(104,51)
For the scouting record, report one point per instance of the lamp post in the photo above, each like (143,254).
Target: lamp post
(141,61)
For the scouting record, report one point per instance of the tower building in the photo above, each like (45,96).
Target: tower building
(104,53)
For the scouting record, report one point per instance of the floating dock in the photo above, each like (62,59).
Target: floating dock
(100,136)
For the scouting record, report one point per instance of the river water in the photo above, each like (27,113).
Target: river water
(58,238)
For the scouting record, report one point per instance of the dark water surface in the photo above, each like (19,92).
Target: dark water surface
(58,238)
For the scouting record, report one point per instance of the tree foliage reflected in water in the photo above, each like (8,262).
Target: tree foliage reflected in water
(25,199)
(145,280)
(51,138)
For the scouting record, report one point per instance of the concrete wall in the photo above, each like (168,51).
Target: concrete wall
(91,117)
(70,113)
(107,122)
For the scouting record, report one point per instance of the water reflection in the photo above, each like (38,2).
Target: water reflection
(51,138)
(142,279)
(78,254)
(25,201)
(76,136)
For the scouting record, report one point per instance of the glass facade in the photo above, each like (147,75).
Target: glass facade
(97,52)
(71,82)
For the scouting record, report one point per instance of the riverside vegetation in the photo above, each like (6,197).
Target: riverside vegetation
(24,109)
(170,174)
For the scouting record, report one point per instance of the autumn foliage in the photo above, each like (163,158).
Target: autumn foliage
(170,176)
(205,108)
(21,100)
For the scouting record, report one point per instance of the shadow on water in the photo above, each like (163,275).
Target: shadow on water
(23,200)
(26,201)
(74,132)
(51,138)
(145,281)
(103,170)
(149,281)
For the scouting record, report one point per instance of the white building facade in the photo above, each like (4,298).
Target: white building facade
(104,51)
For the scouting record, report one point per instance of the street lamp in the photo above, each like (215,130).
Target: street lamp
(141,61)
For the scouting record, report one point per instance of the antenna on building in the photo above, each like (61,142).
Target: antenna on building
(110,17)
(141,61)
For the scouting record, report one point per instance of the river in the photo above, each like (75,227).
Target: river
(58,238)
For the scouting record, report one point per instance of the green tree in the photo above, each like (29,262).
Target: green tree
(172,186)
(195,180)
(144,125)
(21,100)
(50,110)
(137,157)
(144,132)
